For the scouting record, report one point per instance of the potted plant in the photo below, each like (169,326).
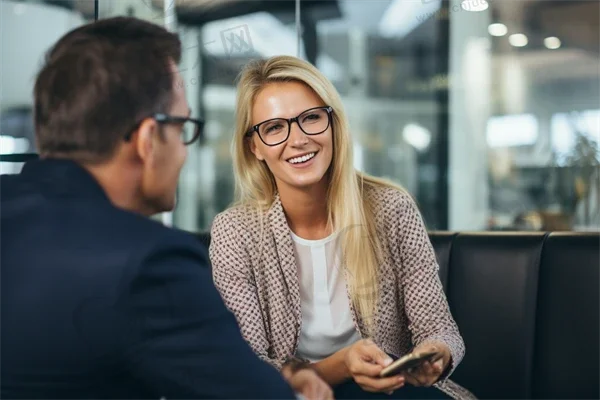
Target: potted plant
(582,163)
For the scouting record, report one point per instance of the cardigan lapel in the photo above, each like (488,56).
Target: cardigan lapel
(286,258)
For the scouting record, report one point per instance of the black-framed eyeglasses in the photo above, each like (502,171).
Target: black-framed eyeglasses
(191,127)
(313,121)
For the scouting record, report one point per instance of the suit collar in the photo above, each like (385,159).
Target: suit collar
(63,177)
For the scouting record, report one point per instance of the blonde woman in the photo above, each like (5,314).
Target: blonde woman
(321,264)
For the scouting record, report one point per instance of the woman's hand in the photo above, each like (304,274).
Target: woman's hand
(307,382)
(364,361)
(428,373)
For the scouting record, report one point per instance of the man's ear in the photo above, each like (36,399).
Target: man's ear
(145,144)
(255,150)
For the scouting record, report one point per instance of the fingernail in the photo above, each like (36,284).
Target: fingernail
(388,361)
(401,379)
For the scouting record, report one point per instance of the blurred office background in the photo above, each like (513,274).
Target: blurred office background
(488,112)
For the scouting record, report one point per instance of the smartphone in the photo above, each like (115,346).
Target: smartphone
(409,361)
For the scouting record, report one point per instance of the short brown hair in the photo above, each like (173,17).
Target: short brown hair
(98,81)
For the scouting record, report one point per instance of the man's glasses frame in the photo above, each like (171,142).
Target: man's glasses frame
(161,118)
(256,127)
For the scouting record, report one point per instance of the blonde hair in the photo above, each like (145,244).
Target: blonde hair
(347,206)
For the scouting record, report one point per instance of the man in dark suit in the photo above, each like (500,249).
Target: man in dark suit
(98,300)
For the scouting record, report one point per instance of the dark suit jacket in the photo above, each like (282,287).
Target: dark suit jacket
(98,302)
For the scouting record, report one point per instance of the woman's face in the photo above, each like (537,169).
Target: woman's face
(302,160)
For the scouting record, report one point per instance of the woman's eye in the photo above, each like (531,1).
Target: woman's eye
(273,128)
(311,117)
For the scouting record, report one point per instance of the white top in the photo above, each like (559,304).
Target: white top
(327,324)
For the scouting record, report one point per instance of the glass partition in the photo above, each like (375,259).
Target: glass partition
(391,81)
(488,112)
(525,110)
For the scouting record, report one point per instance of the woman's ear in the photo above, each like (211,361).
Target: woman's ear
(255,149)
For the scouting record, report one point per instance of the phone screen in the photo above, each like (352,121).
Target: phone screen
(409,361)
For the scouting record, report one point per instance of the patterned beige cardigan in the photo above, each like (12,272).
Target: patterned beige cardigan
(254,269)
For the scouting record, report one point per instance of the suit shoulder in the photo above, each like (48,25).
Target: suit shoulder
(11,185)
(144,234)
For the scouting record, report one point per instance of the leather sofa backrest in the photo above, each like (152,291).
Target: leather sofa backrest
(492,294)
(442,244)
(567,337)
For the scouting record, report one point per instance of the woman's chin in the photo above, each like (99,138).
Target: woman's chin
(306,182)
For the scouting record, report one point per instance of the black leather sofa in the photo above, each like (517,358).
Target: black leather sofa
(528,307)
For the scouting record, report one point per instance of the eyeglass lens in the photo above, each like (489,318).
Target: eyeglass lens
(188,132)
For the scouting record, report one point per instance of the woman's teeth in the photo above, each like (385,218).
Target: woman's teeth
(302,159)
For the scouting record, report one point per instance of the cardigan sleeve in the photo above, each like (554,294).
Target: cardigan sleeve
(233,278)
(426,305)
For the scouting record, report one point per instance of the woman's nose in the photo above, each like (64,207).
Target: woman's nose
(297,136)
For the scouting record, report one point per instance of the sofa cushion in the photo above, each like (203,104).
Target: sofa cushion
(492,286)
(567,338)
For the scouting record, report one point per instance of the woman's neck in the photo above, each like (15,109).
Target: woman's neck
(306,211)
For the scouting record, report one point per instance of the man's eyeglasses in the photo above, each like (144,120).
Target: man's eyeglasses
(191,127)
(275,131)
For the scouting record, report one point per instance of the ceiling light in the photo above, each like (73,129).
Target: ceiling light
(552,42)
(401,17)
(474,5)
(497,29)
(417,136)
(518,40)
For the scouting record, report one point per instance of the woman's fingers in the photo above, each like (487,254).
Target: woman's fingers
(418,377)
(367,359)
(380,357)
(427,369)
(414,378)
(439,366)
(426,374)
(361,367)
(370,352)
(398,386)
(379,384)
(310,385)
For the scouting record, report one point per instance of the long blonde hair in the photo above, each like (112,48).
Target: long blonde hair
(349,211)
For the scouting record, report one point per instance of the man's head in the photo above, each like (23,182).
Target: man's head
(97,99)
